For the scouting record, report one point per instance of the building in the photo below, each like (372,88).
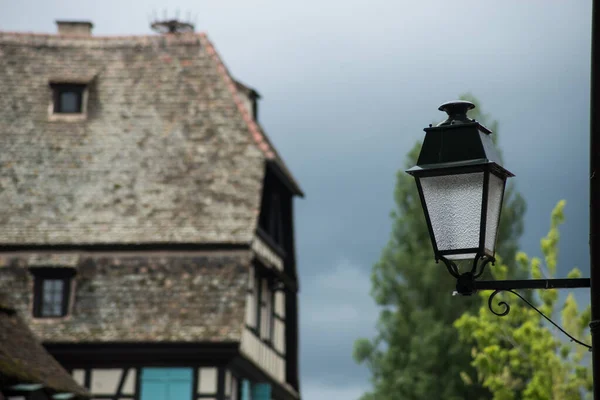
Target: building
(27,371)
(146,220)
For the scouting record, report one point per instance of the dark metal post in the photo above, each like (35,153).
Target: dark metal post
(595,200)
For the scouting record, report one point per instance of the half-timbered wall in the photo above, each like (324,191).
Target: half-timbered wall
(263,250)
(208,383)
(240,388)
(263,340)
(263,355)
(202,383)
(251,299)
(265,311)
(232,390)
(193,383)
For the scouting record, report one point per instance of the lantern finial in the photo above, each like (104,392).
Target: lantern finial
(457,112)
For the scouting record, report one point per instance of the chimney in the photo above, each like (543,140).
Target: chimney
(74,28)
(172,26)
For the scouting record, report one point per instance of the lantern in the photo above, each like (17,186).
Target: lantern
(461,185)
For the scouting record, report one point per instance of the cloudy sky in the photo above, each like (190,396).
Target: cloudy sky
(348,86)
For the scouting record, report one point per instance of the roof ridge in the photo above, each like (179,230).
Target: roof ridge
(92,37)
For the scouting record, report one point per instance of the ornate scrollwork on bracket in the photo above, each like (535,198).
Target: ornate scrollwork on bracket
(506,310)
(467,284)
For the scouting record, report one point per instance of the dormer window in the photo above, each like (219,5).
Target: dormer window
(68,98)
(51,291)
(249,99)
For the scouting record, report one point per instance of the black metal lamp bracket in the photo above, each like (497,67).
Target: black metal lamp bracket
(467,284)
(466,281)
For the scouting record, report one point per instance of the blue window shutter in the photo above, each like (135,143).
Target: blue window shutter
(261,391)
(245,395)
(166,384)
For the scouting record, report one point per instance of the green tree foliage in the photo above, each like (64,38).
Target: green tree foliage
(416,353)
(519,356)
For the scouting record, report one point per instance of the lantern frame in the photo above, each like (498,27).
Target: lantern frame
(486,170)
(457,146)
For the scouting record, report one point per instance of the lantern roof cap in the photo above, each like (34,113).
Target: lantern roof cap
(458,142)
(457,112)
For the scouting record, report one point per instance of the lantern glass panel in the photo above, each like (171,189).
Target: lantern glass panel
(454,206)
(495,194)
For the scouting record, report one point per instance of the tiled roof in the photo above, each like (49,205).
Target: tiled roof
(168,154)
(24,360)
(158,297)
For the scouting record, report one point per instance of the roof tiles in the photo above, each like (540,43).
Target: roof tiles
(167,153)
(142,298)
(24,360)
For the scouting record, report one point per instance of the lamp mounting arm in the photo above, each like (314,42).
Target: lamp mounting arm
(467,284)
(515,284)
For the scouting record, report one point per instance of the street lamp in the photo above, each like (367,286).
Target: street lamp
(461,183)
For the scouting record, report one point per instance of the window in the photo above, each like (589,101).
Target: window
(52,298)
(257,300)
(271,218)
(262,298)
(68,98)
(266,310)
(52,289)
(260,391)
(275,222)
